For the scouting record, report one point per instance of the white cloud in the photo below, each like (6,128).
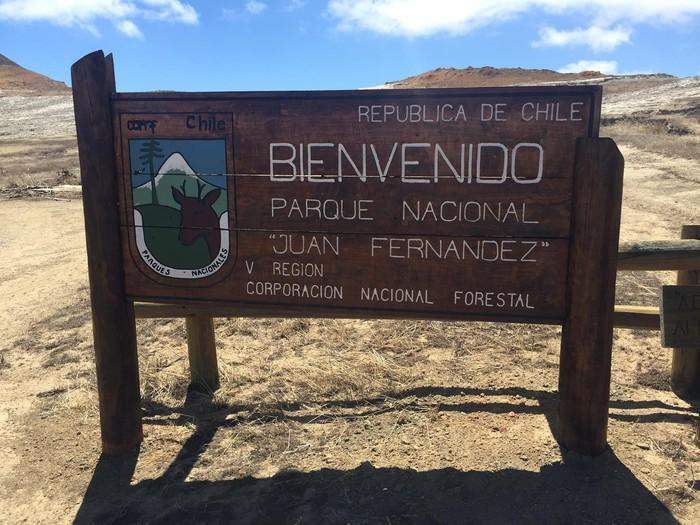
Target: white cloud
(171,11)
(129,28)
(254,7)
(86,14)
(420,18)
(607,67)
(595,37)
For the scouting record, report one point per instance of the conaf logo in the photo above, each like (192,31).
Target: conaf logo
(180,201)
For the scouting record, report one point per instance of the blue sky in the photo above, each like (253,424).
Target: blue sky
(336,44)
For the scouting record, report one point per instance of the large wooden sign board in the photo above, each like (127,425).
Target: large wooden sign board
(434,203)
(494,204)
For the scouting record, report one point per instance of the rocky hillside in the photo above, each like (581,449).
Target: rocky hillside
(497,77)
(489,77)
(16,79)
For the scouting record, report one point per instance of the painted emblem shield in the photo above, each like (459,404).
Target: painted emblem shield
(180,205)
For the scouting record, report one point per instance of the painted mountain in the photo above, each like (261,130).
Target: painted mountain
(180,202)
(175,171)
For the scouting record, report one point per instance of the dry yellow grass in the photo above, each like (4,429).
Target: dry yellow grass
(659,135)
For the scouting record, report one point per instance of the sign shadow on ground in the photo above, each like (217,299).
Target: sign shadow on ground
(578,488)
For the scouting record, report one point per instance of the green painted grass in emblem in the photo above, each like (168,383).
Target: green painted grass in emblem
(164,243)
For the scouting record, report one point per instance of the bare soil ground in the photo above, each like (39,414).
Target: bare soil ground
(37,141)
(334,421)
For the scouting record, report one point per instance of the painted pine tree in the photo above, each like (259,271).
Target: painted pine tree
(150,151)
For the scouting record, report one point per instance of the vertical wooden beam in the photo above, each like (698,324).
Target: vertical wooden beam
(113,322)
(584,373)
(201,348)
(685,366)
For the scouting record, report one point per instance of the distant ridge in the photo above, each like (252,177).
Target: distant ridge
(14,79)
(4,61)
(479,77)
(489,77)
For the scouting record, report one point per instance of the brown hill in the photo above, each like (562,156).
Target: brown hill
(489,76)
(16,79)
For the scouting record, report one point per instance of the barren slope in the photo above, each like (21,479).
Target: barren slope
(488,77)
(674,97)
(16,79)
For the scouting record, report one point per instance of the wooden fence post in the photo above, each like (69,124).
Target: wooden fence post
(584,373)
(685,366)
(201,348)
(113,322)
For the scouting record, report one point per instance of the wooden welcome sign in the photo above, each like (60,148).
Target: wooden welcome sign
(438,203)
(492,204)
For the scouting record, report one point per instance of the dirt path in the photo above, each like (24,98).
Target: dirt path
(660,194)
(44,272)
(333,421)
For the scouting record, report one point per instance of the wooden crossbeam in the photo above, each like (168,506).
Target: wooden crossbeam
(659,255)
(639,317)
(626,316)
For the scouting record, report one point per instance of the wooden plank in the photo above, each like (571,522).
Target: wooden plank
(344,208)
(659,255)
(149,97)
(113,322)
(680,316)
(685,365)
(638,317)
(626,316)
(338,271)
(584,373)
(385,178)
(201,349)
(146,309)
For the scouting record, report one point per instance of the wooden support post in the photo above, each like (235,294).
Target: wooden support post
(113,322)
(685,367)
(201,348)
(584,374)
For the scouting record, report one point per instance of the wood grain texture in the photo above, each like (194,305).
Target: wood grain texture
(113,321)
(146,309)
(659,255)
(201,350)
(636,317)
(448,208)
(680,316)
(540,284)
(625,316)
(685,365)
(584,373)
(398,211)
